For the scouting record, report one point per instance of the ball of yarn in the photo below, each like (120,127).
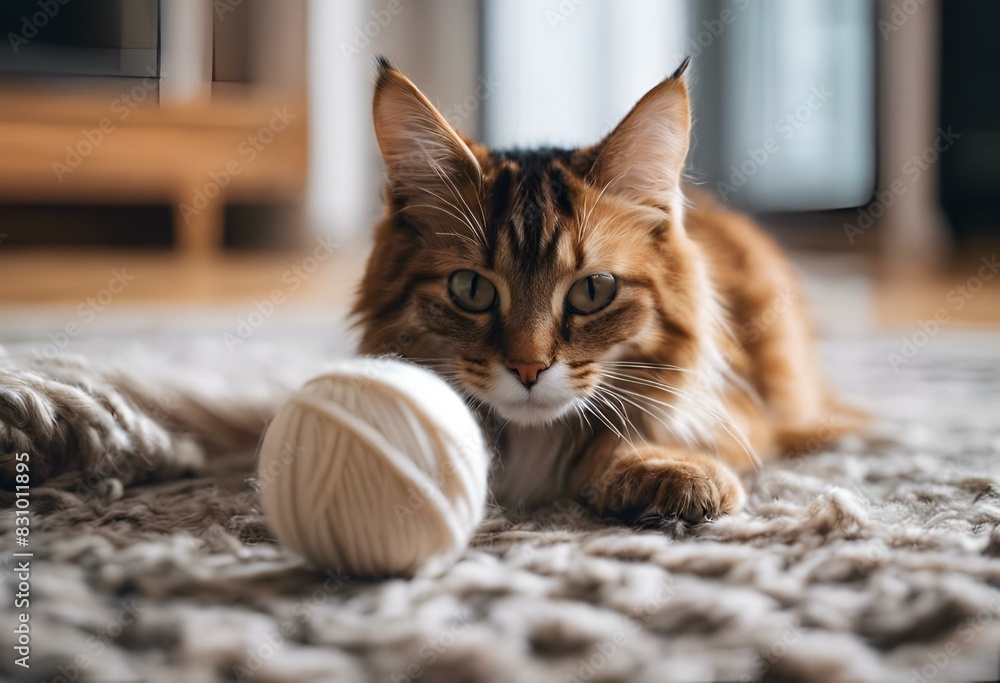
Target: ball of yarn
(375,468)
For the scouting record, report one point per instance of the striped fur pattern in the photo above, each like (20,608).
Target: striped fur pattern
(627,342)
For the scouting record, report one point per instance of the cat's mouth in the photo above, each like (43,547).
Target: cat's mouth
(533,411)
(550,398)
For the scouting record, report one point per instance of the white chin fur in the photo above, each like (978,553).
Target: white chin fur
(549,399)
(532,413)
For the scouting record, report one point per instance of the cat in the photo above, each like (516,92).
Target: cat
(628,342)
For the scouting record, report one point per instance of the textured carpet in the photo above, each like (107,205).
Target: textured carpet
(876,560)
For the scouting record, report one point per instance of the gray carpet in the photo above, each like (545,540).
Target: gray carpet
(873,561)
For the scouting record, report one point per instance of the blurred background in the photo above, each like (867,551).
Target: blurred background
(176,163)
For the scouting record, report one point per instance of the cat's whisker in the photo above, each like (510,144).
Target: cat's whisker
(713,409)
(445,368)
(605,393)
(727,372)
(742,384)
(662,406)
(583,416)
(645,365)
(723,421)
(482,210)
(701,378)
(436,167)
(607,422)
(476,228)
(585,223)
(455,234)
(680,437)
(626,423)
(457,214)
(662,386)
(709,407)
(437,362)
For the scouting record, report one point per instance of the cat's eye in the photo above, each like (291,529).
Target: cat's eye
(592,293)
(471,291)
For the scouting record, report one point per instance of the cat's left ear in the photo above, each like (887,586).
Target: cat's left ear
(643,157)
(420,148)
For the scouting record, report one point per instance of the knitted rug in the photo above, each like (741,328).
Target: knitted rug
(874,560)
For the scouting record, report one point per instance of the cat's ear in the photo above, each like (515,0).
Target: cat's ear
(643,157)
(420,148)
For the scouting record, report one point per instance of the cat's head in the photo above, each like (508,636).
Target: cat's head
(521,276)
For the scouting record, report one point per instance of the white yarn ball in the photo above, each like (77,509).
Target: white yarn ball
(376,468)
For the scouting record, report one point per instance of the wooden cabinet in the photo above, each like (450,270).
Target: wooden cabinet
(153,140)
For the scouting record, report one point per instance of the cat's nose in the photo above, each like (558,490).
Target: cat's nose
(527,372)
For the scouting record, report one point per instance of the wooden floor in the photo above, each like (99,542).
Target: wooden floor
(967,294)
(312,278)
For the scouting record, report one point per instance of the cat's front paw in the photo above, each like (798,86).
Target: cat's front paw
(652,485)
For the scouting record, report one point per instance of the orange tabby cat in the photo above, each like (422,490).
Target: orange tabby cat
(638,343)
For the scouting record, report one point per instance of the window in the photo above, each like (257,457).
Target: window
(783,90)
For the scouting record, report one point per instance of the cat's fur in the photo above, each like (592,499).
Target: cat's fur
(703,361)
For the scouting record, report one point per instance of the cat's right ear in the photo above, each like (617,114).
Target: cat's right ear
(420,148)
(643,157)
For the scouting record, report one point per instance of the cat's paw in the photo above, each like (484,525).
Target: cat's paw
(653,485)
